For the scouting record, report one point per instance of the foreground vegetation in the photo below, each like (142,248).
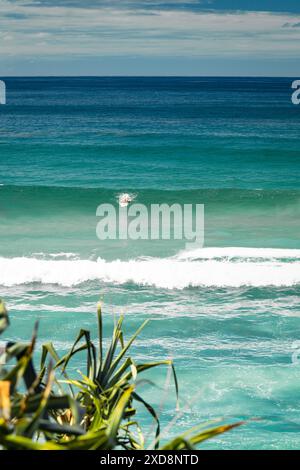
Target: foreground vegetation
(51,410)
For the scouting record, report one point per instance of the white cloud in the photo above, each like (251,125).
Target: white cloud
(111,31)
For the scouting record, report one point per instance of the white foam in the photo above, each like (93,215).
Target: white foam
(56,255)
(184,270)
(239,252)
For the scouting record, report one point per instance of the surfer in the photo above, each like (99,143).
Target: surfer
(124,199)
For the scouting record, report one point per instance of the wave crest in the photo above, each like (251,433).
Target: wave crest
(209,267)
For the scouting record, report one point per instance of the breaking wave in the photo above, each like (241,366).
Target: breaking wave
(207,267)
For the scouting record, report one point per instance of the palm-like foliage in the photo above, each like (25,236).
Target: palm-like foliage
(98,411)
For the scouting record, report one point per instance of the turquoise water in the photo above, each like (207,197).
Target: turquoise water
(229,314)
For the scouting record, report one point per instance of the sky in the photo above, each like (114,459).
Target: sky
(150,37)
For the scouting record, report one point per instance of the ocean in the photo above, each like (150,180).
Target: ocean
(227,314)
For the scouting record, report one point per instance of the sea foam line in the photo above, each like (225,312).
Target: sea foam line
(177,272)
(239,252)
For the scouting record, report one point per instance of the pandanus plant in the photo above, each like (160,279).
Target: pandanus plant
(97,411)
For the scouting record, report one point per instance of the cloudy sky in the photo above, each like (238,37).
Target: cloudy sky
(150,37)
